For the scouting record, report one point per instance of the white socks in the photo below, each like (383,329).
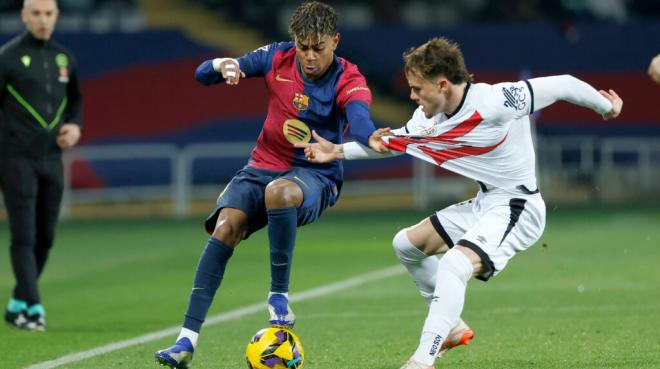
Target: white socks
(421,267)
(191,335)
(454,271)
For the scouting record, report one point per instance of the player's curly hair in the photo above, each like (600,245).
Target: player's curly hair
(438,56)
(313,20)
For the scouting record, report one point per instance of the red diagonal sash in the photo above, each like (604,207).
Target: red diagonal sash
(400,143)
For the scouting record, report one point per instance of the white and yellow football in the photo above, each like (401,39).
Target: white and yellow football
(275,348)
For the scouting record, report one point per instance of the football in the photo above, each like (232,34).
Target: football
(275,348)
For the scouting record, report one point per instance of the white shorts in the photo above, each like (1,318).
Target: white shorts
(496,225)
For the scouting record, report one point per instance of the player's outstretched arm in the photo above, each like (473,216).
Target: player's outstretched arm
(324,151)
(214,71)
(548,90)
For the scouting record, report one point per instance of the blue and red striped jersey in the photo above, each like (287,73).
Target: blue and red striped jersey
(297,105)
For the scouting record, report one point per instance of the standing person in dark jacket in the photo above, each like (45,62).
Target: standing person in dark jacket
(40,115)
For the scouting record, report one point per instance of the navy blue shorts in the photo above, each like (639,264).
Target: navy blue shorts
(247,192)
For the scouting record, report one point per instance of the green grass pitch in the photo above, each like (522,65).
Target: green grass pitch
(586,296)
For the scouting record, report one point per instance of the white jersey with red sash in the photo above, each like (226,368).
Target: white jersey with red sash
(487,139)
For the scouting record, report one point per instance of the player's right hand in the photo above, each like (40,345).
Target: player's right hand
(68,136)
(229,69)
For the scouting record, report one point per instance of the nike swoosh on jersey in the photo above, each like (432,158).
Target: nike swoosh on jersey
(282,79)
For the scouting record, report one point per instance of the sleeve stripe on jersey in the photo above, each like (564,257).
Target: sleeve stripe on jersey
(531,96)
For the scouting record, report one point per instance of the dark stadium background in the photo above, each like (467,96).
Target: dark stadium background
(137,60)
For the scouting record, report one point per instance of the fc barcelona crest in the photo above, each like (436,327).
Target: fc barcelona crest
(300,101)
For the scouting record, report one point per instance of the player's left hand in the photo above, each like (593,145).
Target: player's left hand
(322,151)
(375,140)
(68,136)
(617,104)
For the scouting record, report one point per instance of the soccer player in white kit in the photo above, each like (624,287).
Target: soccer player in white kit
(482,132)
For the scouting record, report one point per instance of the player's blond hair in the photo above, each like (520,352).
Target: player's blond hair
(312,20)
(437,57)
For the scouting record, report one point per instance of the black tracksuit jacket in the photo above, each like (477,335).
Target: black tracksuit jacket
(39,91)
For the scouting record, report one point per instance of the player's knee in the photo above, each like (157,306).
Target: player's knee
(405,250)
(458,264)
(283,193)
(228,232)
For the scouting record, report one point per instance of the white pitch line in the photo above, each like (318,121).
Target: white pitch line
(233,314)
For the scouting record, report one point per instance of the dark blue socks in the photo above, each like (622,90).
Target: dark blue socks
(282,225)
(210,270)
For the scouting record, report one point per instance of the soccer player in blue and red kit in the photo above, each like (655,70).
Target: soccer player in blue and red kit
(310,89)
